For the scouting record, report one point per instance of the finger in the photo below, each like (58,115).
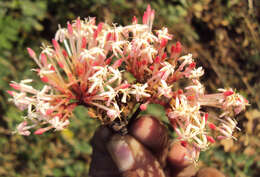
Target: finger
(150,132)
(209,172)
(178,164)
(102,164)
(132,158)
(176,155)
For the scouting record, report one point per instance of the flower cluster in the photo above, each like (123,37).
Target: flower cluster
(88,64)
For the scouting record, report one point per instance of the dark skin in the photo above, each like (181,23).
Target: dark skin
(145,152)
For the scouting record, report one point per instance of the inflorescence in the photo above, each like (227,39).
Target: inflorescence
(89,64)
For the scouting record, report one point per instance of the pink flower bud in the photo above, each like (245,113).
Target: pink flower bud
(64,53)
(10,92)
(157,59)
(192,65)
(211,139)
(212,126)
(206,116)
(228,93)
(31,52)
(117,63)
(173,48)
(145,18)
(70,29)
(180,91)
(163,42)
(191,97)
(108,61)
(44,79)
(108,36)
(124,86)
(148,9)
(15,86)
(78,24)
(100,26)
(134,20)
(95,34)
(220,137)
(43,59)
(84,43)
(143,107)
(52,68)
(178,47)
(40,131)
(55,44)
(164,55)
(49,111)
(60,64)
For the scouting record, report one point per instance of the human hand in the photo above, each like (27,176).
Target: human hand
(146,151)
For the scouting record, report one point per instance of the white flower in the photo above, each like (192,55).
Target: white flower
(22,129)
(23,87)
(165,90)
(116,75)
(47,50)
(196,73)
(136,28)
(114,112)
(139,91)
(201,141)
(117,48)
(21,100)
(31,112)
(101,72)
(97,51)
(85,54)
(163,34)
(149,37)
(96,82)
(149,52)
(126,93)
(58,124)
(183,109)
(197,88)
(42,95)
(232,100)
(187,59)
(111,94)
(167,70)
(227,126)
(61,34)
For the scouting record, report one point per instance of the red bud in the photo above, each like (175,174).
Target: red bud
(228,93)
(44,79)
(211,139)
(134,20)
(212,126)
(84,43)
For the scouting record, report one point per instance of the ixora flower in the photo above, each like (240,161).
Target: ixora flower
(87,65)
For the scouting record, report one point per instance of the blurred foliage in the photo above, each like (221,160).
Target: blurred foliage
(223,34)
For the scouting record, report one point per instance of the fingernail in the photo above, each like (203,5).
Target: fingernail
(121,153)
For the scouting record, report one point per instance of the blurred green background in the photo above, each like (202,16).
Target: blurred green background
(224,36)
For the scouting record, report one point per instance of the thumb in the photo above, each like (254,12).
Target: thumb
(132,158)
